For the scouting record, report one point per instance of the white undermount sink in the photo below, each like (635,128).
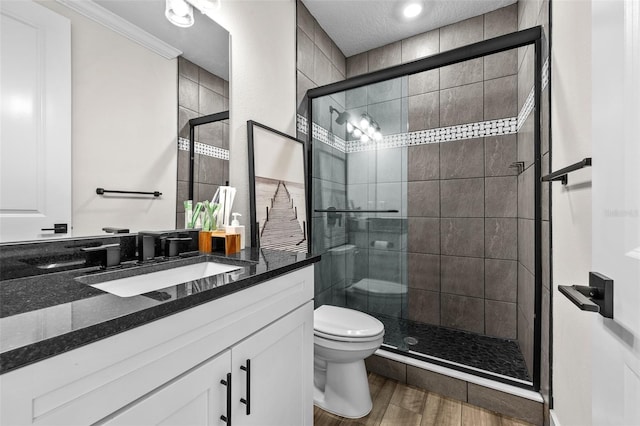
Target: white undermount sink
(144,283)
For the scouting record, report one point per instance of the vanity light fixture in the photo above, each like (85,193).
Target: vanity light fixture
(411,10)
(368,129)
(179,13)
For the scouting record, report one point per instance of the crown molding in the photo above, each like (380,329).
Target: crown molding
(123,27)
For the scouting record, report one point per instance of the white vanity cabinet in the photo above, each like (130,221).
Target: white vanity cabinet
(270,391)
(193,399)
(169,371)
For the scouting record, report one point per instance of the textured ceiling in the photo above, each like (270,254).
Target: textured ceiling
(360,25)
(205,43)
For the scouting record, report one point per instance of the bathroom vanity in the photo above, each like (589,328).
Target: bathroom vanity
(236,348)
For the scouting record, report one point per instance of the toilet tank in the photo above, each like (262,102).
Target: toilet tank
(342,264)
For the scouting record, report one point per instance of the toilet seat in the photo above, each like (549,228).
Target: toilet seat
(347,339)
(346,325)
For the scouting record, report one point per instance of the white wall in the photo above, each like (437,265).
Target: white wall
(262,88)
(571,208)
(124,115)
(262,85)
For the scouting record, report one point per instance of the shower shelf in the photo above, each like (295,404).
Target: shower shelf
(561,174)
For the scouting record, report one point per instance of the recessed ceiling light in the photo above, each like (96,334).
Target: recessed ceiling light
(412,10)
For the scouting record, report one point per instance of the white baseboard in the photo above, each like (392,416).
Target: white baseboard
(554,418)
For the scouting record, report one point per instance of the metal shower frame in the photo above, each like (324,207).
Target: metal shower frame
(530,36)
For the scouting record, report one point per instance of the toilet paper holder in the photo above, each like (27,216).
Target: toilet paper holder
(596,297)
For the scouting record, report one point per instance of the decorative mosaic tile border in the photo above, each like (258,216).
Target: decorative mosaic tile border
(204,149)
(301,124)
(323,135)
(545,73)
(529,103)
(526,109)
(503,126)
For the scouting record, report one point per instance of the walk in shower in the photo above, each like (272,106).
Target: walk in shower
(432,225)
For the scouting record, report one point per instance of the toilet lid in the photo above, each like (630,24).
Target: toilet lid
(342,322)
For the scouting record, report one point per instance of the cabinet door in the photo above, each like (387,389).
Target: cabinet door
(196,398)
(279,391)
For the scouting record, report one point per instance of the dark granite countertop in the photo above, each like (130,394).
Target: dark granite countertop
(45,314)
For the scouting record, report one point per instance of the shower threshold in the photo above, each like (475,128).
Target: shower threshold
(490,357)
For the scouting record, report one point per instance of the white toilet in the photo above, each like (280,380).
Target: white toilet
(343,338)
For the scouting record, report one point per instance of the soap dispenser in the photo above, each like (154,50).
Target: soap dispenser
(236,228)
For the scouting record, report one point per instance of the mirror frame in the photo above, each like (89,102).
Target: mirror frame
(193,123)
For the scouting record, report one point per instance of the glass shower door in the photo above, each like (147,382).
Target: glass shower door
(359,202)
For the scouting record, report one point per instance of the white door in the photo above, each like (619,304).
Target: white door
(280,378)
(35,126)
(616,208)
(197,398)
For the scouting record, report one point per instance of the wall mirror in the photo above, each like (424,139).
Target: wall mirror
(133,81)
(277,190)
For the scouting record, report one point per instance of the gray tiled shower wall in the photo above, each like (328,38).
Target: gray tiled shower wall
(201,93)
(462,261)
(319,60)
(476,90)
(462,197)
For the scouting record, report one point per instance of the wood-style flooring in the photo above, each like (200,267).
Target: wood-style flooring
(396,404)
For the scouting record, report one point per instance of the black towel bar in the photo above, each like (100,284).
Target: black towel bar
(561,174)
(102,191)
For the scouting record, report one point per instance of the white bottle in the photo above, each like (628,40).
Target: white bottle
(236,228)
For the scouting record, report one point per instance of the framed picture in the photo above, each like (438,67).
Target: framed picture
(277,189)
